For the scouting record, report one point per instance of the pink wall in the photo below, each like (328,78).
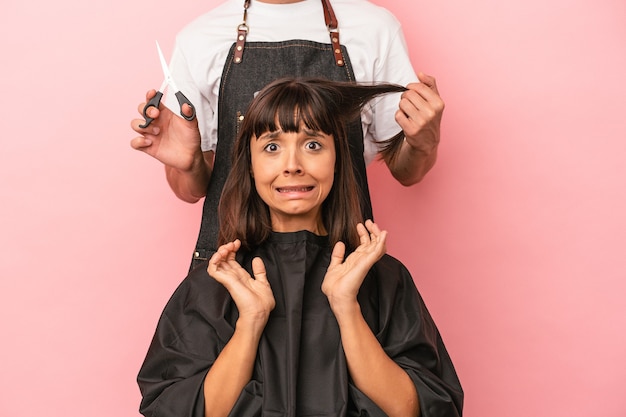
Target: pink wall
(516,239)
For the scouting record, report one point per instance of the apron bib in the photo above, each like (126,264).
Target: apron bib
(263,63)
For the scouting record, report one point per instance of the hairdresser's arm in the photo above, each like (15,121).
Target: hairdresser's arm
(373,372)
(175,142)
(419,115)
(233,367)
(191,184)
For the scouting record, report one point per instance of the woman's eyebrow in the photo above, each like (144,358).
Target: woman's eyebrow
(315,133)
(273,135)
(269,135)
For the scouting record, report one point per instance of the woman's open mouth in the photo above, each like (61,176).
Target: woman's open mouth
(295,189)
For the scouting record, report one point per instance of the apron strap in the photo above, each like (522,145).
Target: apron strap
(331,24)
(333,31)
(242,32)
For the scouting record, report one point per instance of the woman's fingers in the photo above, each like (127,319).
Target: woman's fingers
(258,269)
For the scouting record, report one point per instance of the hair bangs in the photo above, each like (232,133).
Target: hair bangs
(289,108)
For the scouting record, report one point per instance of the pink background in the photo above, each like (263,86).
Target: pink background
(516,238)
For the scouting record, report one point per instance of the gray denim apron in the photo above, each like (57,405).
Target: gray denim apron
(262,63)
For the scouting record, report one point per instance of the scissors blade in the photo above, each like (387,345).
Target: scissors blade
(166,69)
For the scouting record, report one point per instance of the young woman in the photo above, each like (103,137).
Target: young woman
(281,322)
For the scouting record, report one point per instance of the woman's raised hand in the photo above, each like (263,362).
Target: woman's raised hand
(253,296)
(344,277)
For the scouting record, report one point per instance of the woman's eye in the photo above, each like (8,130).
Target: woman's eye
(313,145)
(271,147)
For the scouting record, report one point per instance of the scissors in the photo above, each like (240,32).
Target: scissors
(156,100)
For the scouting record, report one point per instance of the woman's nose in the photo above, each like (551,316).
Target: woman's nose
(292,162)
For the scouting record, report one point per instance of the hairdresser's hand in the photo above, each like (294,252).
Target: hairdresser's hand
(253,296)
(421,109)
(171,139)
(344,277)
(419,115)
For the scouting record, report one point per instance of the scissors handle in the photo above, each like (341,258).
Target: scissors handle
(183,100)
(154,102)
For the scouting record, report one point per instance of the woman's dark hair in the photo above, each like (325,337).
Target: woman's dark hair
(320,105)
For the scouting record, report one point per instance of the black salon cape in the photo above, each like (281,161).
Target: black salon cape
(300,368)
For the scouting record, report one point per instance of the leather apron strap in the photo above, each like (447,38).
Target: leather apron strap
(329,18)
(241,79)
(333,31)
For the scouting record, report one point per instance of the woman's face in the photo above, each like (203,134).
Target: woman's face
(293,174)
